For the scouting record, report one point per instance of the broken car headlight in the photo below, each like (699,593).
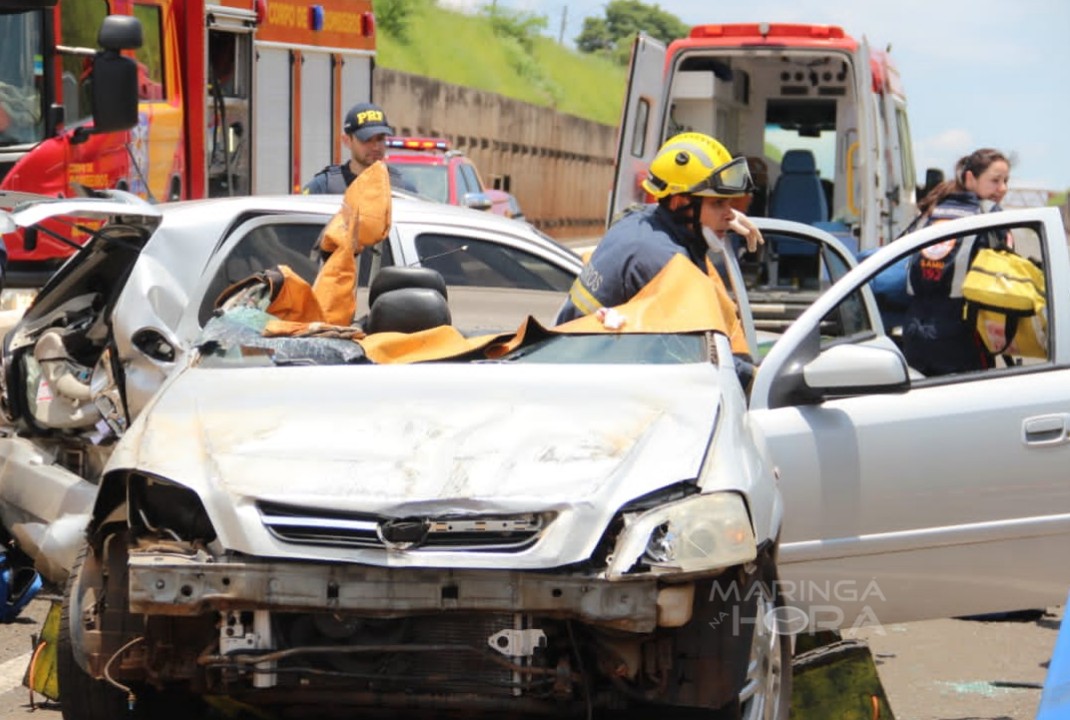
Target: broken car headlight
(168,510)
(697,534)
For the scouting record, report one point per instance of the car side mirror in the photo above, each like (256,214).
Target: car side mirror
(476,201)
(856,369)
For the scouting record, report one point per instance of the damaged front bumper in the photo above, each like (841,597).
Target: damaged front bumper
(175,585)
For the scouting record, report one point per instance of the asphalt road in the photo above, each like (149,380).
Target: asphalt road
(933,670)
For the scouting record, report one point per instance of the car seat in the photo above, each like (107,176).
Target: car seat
(798,194)
(407,299)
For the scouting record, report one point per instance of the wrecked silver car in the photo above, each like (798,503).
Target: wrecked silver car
(116,320)
(537,521)
(542,524)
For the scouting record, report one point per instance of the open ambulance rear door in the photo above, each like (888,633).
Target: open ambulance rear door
(638,137)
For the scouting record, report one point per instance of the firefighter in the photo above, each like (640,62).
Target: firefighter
(364,132)
(695,181)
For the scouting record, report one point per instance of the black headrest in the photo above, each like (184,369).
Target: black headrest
(399,276)
(407,309)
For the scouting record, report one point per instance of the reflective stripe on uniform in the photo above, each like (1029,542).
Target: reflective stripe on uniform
(582,298)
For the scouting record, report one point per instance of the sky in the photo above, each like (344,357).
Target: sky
(983,73)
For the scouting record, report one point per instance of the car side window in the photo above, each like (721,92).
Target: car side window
(263,247)
(948,310)
(467,261)
(786,275)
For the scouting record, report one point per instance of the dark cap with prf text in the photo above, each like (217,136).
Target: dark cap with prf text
(365,121)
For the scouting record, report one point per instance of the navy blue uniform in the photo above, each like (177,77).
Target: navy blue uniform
(937,340)
(633,251)
(334,179)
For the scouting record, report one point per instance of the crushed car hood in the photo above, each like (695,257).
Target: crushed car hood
(436,439)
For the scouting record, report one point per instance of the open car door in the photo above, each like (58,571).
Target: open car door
(909,497)
(63,375)
(769,301)
(640,123)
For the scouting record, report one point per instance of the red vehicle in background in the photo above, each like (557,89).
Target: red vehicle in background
(449,176)
(233,97)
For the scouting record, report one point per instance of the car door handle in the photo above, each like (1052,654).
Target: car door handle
(1045,429)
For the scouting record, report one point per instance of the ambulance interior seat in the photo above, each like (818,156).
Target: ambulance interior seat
(407,299)
(798,195)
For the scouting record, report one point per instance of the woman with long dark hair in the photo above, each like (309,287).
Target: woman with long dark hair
(937,339)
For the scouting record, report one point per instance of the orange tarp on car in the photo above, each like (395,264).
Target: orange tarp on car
(679,299)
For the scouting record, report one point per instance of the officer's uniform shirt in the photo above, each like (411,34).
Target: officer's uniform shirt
(936,338)
(633,251)
(334,179)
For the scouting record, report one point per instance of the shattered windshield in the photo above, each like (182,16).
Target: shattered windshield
(21,77)
(614,349)
(236,339)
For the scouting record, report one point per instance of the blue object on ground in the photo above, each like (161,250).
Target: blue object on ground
(1055,699)
(18,586)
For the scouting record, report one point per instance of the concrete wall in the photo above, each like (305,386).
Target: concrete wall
(559,167)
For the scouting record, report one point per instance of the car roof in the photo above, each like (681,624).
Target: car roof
(406,209)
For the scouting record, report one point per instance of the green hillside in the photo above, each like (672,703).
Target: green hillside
(506,57)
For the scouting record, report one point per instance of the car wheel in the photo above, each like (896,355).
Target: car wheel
(766,693)
(81,696)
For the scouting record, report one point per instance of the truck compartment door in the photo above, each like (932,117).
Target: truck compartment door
(273,98)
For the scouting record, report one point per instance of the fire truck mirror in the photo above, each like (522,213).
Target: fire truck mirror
(115,78)
(114,92)
(120,32)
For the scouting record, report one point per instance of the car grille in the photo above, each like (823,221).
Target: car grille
(486,533)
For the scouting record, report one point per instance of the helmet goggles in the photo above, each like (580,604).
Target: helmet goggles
(731,179)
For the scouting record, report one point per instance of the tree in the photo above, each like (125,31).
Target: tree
(612,35)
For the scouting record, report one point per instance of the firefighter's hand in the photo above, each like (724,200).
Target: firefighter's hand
(747,230)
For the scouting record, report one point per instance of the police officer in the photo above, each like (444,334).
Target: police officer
(695,181)
(364,132)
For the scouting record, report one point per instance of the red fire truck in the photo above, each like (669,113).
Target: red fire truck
(234,97)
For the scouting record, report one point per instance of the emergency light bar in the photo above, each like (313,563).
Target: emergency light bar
(417,143)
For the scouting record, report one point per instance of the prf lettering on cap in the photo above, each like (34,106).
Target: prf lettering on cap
(363,118)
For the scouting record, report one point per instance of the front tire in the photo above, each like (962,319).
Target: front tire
(82,697)
(766,692)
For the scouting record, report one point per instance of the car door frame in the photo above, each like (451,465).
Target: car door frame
(190,326)
(771,227)
(855,551)
(119,207)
